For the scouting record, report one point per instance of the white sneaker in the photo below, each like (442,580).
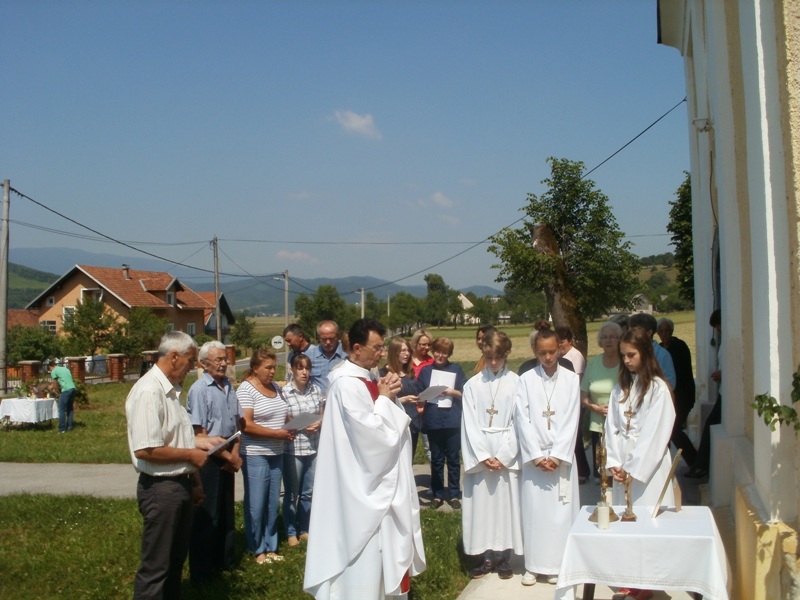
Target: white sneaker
(529,578)
(552,579)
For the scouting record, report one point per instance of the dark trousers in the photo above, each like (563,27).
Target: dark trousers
(211,546)
(703,459)
(166,507)
(445,446)
(66,409)
(679,438)
(580,451)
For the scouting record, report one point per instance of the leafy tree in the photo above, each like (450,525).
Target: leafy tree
(523,304)
(325,303)
(455,307)
(89,328)
(142,331)
(437,302)
(405,313)
(243,331)
(570,247)
(680,226)
(374,307)
(31,343)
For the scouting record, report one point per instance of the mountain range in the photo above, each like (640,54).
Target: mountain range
(263,295)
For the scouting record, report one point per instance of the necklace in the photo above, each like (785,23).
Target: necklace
(549,413)
(491,410)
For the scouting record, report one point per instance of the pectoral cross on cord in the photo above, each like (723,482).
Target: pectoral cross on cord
(547,414)
(492,412)
(628,415)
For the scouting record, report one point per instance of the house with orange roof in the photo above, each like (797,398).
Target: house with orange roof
(122,289)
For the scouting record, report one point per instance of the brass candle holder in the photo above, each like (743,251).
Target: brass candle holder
(628,515)
(605,480)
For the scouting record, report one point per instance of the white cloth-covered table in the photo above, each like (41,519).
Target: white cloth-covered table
(677,551)
(29,410)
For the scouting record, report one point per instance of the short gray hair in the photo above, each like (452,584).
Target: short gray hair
(205,348)
(667,322)
(176,341)
(608,325)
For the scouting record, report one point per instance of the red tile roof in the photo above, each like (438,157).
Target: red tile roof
(21,316)
(133,290)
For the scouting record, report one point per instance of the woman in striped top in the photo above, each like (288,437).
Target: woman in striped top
(264,411)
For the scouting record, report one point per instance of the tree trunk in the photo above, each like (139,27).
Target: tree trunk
(560,299)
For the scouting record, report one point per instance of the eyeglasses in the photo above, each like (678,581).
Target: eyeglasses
(381,348)
(217,361)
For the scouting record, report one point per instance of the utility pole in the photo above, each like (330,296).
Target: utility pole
(217,311)
(286,297)
(4,282)
(389,305)
(362,302)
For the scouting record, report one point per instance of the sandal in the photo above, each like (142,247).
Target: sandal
(272,557)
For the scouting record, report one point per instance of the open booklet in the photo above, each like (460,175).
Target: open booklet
(302,421)
(442,378)
(225,443)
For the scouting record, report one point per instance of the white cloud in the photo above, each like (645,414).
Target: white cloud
(450,219)
(363,125)
(441,200)
(303,257)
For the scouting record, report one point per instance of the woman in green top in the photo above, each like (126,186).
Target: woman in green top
(598,380)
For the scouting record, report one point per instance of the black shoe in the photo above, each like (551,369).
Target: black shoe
(437,503)
(696,473)
(455,503)
(504,570)
(482,569)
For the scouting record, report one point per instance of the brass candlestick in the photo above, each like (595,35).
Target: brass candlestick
(605,480)
(628,515)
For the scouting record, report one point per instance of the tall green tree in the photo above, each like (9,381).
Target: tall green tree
(569,247)
(486,310)
(324,303)
(89,328)
(680,226)
(405,313)
(31,343)
(523,304)
(437,301)
(142,331)
(243,331)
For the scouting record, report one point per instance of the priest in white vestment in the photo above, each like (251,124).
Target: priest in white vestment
(490,514)
(365,538)
(639,424)
(547,415)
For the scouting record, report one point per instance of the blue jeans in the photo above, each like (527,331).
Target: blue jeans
(262,489)
(445,445)
(298,486)
(66,412)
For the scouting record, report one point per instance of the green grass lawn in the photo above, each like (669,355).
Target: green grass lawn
(85,548)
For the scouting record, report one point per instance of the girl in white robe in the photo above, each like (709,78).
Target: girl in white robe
(639,425)
(490,514)
(638,429)
(546,419)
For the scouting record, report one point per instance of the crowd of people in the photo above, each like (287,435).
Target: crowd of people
(346,424)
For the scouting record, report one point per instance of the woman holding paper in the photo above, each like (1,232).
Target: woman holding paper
(441,420)
(399,363)
(264,411)
(300,454)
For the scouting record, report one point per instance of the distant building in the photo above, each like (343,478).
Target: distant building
(122,289)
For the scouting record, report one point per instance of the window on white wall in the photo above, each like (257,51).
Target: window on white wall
(191,329)
(49,325)
(67,312)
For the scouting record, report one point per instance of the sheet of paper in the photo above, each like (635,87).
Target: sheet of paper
(446,379)
(431,393)
(225,443)
(302,421)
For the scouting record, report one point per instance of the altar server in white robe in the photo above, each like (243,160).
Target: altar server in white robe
(547,416)
(639,424)
(365,538)
(490,514)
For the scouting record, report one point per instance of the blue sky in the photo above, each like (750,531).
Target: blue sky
(290,122)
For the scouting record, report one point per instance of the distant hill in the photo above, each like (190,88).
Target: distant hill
(24,284)
(264,295)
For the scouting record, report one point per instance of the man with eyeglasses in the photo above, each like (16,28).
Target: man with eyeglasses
(214,410)
(367,540)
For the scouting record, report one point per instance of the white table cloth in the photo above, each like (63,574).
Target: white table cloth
(676,551)
(29,410)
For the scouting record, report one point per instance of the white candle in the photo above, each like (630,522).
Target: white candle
(602,517)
